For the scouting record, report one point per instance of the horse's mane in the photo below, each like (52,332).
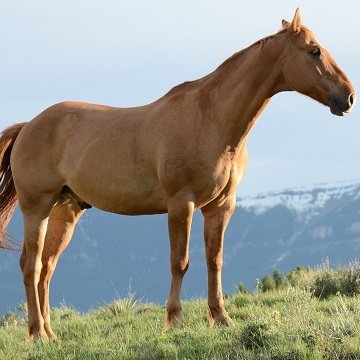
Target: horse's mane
(260,43)
(232,59)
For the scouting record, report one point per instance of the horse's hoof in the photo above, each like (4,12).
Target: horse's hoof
(38,335)
(220,318)
(174,319)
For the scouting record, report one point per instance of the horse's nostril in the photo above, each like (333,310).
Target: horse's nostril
(351,99)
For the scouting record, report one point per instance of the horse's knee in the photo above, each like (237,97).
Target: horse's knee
(179,266)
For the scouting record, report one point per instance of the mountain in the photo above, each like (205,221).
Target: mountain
(110,255)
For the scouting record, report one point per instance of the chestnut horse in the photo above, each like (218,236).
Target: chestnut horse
(183,152)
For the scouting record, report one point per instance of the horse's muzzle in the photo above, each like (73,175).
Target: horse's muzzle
(340,107)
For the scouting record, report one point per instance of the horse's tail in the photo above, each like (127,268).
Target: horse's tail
(8,196)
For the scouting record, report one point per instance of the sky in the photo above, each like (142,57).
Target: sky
(130,53)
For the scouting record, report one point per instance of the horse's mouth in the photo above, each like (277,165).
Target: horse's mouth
(341,108)
(335,110)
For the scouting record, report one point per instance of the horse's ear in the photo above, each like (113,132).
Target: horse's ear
(285,23)
(296,23)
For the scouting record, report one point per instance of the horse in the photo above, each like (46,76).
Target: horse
(183,152)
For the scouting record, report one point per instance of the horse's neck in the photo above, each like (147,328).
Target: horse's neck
(243,87)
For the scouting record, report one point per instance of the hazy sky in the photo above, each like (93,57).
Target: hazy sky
(128,53)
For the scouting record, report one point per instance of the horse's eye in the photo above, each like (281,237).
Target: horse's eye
(316,52)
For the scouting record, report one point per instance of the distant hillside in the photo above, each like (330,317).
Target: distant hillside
(111,253)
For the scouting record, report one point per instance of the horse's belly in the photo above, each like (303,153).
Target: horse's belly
(133,204)
(128,198)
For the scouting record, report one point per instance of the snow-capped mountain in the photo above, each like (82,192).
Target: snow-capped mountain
(304,202)
(110,254)
(305,225)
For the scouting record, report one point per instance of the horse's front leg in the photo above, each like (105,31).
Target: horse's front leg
(179,220)
(216,221)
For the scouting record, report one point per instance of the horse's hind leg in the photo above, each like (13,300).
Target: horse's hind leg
(62,221)
(36,215)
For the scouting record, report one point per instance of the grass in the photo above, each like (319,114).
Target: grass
(285,323)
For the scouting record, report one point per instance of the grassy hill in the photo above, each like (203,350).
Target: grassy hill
(304,314)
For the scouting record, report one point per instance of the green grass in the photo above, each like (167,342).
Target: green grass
(285,323)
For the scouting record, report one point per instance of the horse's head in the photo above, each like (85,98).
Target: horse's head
(309,69)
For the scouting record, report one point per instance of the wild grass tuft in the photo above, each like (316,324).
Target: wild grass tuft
(120,306)
(323,281)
